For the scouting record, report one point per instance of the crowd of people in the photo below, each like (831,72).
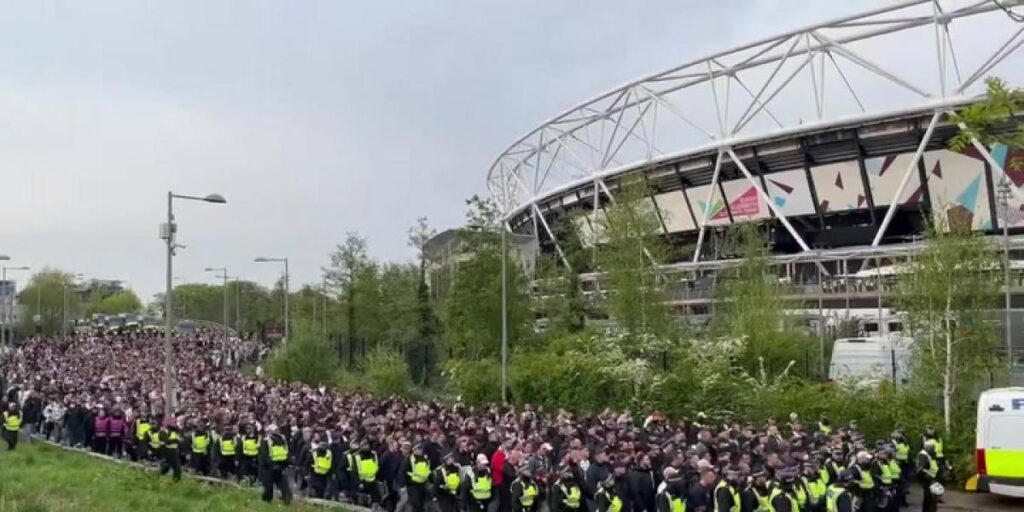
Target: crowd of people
(105,393)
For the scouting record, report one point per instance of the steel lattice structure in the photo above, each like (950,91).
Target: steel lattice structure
(847,71)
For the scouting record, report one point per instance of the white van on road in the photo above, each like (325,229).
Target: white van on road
(1000,444)
(871,359)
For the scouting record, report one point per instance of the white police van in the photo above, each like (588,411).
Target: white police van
(1000,443)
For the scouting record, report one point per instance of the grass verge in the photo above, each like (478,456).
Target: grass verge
(43,478)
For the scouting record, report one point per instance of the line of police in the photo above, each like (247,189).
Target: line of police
(845,478)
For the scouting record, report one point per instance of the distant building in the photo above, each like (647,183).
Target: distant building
(447,249)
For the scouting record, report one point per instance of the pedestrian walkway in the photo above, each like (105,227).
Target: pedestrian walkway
(968,501)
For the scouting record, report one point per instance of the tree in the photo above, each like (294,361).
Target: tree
(750,306)
(427,323)
(629,258)
(348,261)
(44,296)
(121,302)
(307,357)
(987,121)
(944,293)
(472,308)
(558,296)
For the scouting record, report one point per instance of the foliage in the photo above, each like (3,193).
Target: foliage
(307,358)
(592,371)
(40,477)
(944,294)
(750,305)
(44,296)
(474,381)
(122,302)
(632,249)
(558,297)
(387,373)
(986,121)
(472,308)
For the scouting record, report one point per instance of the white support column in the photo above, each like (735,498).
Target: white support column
(911,168)
(707,205)
(768,200)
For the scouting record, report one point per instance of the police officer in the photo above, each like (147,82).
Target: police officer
(248,464)
(757,495)
(727,492)
(673,497)
(321,470)
(447,484)
(927,474)
(783,497)
(931,435)
(606,499)
(816,486)
(140,431)
(364,472)
(525,492)
(866,488)
(566,495)
(838,498)
(12,425)
(273,464)
(200,452)
(169,441)
(478,489)
(414,473)
(901,456)
(888,475)
(227,453)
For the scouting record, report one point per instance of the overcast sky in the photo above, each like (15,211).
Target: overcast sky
(313,118)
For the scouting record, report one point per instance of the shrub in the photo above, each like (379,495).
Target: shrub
(387,373)
(306,358)
(476,382)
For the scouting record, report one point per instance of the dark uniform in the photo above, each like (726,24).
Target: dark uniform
(248,463)
(11,427)
(140,437)
(200,452)
(415,472)
(273,464)
(566,495)
(321,469)
(169,439)
(227,456)
(447,483)
(525,494)
(478,491)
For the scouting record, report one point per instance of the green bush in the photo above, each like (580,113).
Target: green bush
(306,358)
(476,382)
(386,372)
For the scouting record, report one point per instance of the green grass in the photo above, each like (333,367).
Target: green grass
(43,478)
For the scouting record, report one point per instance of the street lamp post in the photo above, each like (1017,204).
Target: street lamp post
(8,309)
(287,291)
(167,232)
(64,310)
(1004,203)
(224,275)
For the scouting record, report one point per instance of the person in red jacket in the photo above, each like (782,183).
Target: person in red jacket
(502,485)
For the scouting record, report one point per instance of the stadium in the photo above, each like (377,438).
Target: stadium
(833,138)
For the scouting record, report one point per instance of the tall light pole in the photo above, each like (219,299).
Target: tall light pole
(504,306)
(64,310)
(223,275)
(167,232)
(8,309)
(287,291)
